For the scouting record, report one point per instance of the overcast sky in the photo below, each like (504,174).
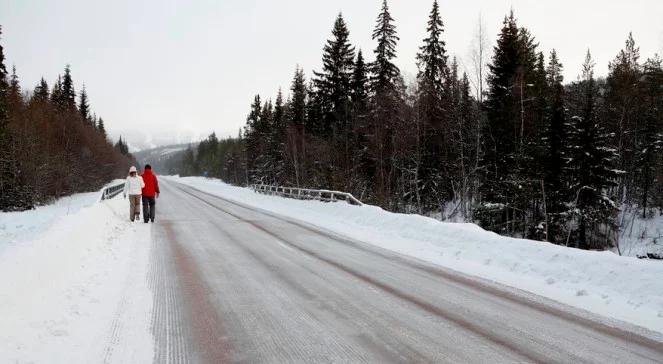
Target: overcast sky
(174,65)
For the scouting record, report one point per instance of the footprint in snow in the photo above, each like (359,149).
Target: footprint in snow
(59,333)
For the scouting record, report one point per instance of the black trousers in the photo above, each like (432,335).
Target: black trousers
(149,208)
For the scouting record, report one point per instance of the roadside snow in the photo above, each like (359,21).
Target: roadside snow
(16,227)
(638,235)
(75,290)
(620,288)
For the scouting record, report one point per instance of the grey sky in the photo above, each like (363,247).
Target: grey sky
(169,65)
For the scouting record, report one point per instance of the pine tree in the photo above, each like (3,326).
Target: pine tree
(84,106)
(592,166)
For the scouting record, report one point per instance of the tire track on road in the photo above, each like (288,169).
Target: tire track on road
(459,279)
(431,309)
(167,323)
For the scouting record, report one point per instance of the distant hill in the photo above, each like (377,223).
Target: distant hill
(164,160)
(140,140)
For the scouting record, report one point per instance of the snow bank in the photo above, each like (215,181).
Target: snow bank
(77,291)
(16,227)
(621,288)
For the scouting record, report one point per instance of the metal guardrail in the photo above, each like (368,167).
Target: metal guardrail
(112,191)
(307,194)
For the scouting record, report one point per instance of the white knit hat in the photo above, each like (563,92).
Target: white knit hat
(132,169)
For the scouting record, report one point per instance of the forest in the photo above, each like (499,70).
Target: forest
(51,143)
(509,145)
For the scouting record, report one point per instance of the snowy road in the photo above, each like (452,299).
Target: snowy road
(233,284)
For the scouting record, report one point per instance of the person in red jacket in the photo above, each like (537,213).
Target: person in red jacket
(150,193)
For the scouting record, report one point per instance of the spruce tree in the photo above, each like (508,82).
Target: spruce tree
(14,194)
(41,93)
(252,137)
(4,87)
(264,161)
(359,92)
(14,97)
(433,104)
(648,159)
(385,72)
(432,57)
(508,186)
(556,155)
(84,106)
(56,94)
(386,103)
(296,125)
(68,93)
(623,112)
(122,146)
(101,127)
(333,84)
(592,166)
(278,138)
(297,109)
(360,129)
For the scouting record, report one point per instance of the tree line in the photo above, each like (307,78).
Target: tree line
(51,143)
(513,147)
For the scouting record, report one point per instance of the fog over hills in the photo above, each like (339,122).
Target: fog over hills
(140,140)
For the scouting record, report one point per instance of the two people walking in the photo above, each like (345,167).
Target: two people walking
(145,188)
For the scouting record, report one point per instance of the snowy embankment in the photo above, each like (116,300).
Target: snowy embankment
(626,289)
(639,235)
(73,285)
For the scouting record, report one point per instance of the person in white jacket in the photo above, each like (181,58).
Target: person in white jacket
(133,187)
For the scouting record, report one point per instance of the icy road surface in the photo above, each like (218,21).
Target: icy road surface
(233,284)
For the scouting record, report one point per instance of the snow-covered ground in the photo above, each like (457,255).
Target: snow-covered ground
(638,235)
(621,288)
(16,227)
(73,284)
